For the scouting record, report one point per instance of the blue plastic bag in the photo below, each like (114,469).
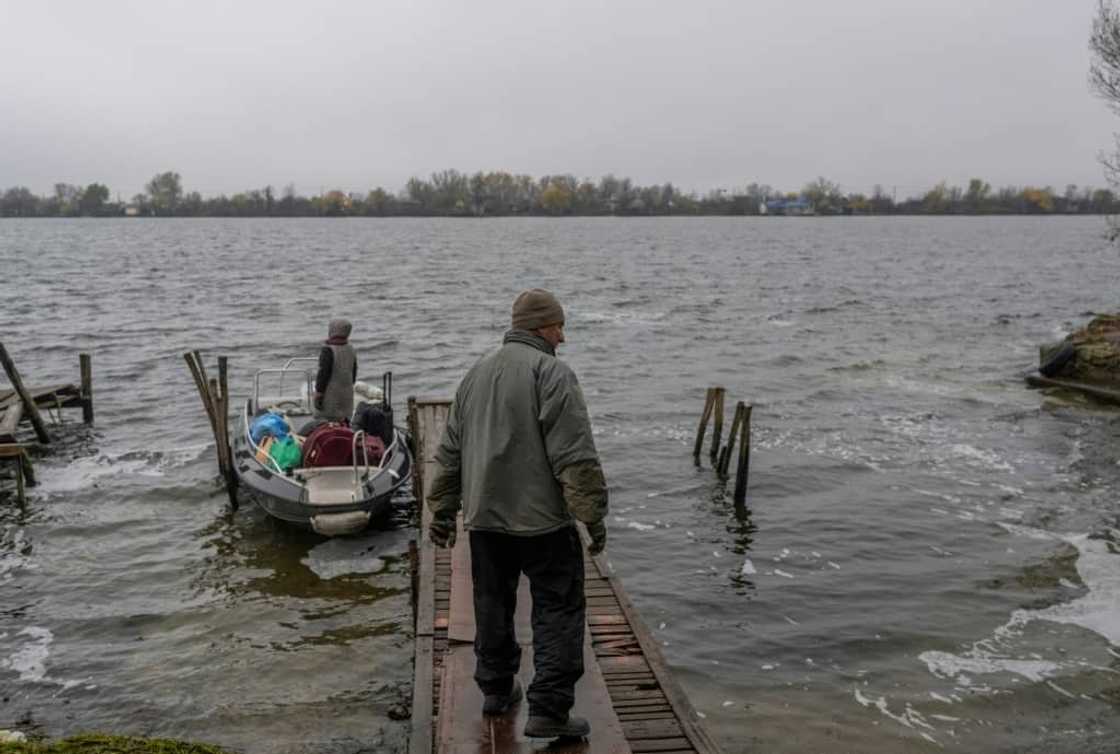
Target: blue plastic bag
(268,425)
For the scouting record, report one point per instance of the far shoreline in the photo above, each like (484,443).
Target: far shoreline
(697,216)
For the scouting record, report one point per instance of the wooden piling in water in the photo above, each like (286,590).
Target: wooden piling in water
(223,414)
(199,375)
(215,399)
(85,363)
(29,406)
(709,405)
(24,472)
(717,428)
(743,470)
(725,454)
(21,491)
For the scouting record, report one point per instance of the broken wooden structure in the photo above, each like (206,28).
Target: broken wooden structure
(20,404)
(627,691)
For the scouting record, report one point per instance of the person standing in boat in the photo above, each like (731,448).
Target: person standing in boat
(518,457)
(338,368)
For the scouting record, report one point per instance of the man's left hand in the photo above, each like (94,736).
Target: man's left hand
(598,532)
(442,532)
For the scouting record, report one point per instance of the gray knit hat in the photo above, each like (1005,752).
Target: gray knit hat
(338,328)
(536,308)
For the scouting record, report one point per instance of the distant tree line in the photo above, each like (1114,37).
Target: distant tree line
(453,194)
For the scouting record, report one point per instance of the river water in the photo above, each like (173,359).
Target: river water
(928,558)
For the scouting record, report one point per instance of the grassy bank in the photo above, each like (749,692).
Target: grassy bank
(100,744)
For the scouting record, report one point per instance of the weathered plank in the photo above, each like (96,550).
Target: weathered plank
(9,423)
(28,402)
(44,396)
(463,729)
(85,368)
(687,718)
(652,729)
(421,740)
(667,745)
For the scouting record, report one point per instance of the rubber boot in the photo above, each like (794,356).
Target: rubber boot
(540,726)
(499,704)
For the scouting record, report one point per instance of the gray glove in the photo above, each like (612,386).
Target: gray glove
(598,532)
(442,532)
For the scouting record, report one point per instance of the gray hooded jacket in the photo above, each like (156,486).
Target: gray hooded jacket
(338,368)
(517,453)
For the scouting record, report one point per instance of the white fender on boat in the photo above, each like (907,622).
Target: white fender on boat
(334,524)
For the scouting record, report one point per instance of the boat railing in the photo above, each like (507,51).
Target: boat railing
(303,401)
(289,362)
(389,452)
(359,437)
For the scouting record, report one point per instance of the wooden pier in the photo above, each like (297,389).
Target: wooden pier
(20,404)
(627,691)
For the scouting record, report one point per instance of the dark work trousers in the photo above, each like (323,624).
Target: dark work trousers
(554,564)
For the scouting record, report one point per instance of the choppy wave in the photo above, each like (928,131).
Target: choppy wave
(1098,611)
(103,467)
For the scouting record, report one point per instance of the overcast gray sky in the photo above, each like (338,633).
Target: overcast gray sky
(705,93)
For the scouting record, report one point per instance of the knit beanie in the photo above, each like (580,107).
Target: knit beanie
(536,308)
(338,329)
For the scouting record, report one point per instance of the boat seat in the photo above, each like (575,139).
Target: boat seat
(329,485)
(292,405)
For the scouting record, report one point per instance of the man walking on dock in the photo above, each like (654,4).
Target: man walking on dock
(519,458)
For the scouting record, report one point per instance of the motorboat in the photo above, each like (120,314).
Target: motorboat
(334,487)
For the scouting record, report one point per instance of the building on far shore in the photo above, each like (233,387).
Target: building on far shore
(793,207)
(132,211)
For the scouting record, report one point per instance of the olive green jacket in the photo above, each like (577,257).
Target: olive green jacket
(518,454)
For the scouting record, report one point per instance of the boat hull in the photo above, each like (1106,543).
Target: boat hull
(284,497)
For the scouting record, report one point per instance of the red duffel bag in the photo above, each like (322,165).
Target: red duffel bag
(329,445)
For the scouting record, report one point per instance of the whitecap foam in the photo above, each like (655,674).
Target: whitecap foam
(978,662)
(1097,610)
(623,317)
(676,490)
(909,717)
(83,473)
(1025,531)
(987,458)
(30,659)
(88,471)
(15,555)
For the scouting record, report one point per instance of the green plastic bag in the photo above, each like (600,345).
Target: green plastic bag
(286,453)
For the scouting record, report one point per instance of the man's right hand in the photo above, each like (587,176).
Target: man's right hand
(442,532)
(598,532)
